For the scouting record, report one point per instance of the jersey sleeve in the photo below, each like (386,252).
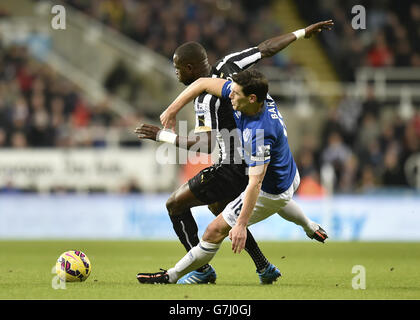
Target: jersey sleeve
(258,150)
(226,90)
(238,61)
(205,107)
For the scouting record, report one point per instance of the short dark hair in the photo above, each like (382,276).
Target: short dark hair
(252,82)
(191,52)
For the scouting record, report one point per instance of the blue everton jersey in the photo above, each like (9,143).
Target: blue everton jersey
(264,139)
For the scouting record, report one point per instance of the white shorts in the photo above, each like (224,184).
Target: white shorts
(267,204)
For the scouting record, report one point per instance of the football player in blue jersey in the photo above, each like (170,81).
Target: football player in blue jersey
(223,181)
(273,175)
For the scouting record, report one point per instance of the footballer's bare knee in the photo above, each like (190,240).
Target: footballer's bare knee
(180,200)
(216,231)
(176,202)
(171,204)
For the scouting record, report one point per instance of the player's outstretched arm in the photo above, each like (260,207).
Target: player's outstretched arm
(211,85)
(202,142)
(238,233)
(271,46)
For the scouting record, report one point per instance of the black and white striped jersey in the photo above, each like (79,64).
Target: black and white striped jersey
(215,114)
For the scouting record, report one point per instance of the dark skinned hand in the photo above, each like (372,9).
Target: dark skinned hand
(147,131)
(318,27)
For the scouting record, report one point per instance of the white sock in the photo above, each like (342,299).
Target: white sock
(292,212)
(195,258)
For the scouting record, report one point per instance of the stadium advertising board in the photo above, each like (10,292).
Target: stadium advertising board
(81,169)
(366,218)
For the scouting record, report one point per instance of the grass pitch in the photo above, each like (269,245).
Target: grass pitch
(311,270)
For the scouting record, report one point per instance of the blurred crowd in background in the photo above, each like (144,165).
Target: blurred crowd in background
(366,149)
(162,25)
(39,108)
(391,36)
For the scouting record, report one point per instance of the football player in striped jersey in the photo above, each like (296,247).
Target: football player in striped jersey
(222,182)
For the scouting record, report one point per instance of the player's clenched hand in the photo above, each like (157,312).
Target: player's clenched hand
(238,236)
(147,131)
(318,27)
(168,119)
